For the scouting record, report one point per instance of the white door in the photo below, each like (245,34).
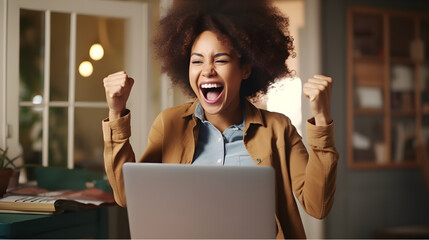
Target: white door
(54,110)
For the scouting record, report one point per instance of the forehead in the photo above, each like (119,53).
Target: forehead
(209,41)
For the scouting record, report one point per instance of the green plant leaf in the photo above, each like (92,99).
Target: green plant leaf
(9,162)
(5,161)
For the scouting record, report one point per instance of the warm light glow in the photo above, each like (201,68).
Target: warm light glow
(96,52)
(285,97)
(37,99)
(85,69)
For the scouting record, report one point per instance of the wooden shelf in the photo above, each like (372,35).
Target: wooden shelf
(368,111)
(403,60)
(369,58)
(377,41)
(399,113)
(389,165)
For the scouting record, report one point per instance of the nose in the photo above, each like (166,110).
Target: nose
(208,70)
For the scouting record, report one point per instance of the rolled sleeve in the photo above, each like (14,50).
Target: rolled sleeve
(320,136)
(118,129)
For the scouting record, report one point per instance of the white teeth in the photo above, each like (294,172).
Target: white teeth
(210,85)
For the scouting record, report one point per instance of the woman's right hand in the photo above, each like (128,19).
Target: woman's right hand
(117,87)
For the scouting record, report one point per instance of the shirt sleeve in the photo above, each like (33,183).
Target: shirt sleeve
(320,136)
(117,151)
(314,176)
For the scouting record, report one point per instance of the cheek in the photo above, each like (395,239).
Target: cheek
(193,81)
(235,78)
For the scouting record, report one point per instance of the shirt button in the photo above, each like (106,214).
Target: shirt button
(219,139)
(219,160)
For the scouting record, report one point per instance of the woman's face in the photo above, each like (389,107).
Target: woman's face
(215,74)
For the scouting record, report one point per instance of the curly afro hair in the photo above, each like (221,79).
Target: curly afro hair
(255,28)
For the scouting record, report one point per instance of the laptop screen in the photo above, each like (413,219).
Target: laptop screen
(186,201)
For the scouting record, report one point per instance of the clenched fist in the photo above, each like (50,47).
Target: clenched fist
(118,87)
(318,90)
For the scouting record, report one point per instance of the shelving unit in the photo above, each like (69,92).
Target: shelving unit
(388,87)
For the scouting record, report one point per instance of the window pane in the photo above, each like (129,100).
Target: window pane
(109,33)
(31,54)
(60,47)
(30,136)
(88,152)
(58,137)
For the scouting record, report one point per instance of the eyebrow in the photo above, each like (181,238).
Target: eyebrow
(216,55)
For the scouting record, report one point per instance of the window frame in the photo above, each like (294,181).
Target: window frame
(136,64)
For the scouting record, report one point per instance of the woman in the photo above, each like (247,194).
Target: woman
(224,53)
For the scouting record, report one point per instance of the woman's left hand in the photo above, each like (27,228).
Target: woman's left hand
(318,90)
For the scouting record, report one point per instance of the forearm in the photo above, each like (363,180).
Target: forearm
(114,115)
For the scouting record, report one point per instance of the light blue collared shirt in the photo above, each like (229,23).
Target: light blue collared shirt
(216,148)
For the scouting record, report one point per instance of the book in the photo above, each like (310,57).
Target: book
(43,204)
(39,201)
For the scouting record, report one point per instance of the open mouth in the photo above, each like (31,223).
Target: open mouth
(211,91)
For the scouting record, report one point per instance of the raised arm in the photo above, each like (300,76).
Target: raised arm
(314,180)
(116,132)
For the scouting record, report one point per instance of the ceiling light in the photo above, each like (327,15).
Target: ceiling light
(85,69)
(96,52)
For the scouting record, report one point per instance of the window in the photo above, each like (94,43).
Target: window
(53,109)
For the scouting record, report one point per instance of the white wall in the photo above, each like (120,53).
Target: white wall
(3,17)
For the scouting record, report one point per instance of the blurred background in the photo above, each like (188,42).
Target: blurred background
(55,54)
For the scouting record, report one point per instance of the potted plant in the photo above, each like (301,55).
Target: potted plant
(7,167)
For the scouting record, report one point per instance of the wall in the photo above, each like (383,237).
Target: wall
(3,17)
(365,200)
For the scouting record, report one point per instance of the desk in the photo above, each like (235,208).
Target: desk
(84,224)
(405,232)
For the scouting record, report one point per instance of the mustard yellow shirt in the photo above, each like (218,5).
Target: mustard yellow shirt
(270,139)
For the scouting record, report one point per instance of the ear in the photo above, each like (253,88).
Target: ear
(246,71)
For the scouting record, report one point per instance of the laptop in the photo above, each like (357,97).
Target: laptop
(187,201)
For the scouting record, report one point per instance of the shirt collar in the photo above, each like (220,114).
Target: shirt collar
(253,115)
(199,112)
